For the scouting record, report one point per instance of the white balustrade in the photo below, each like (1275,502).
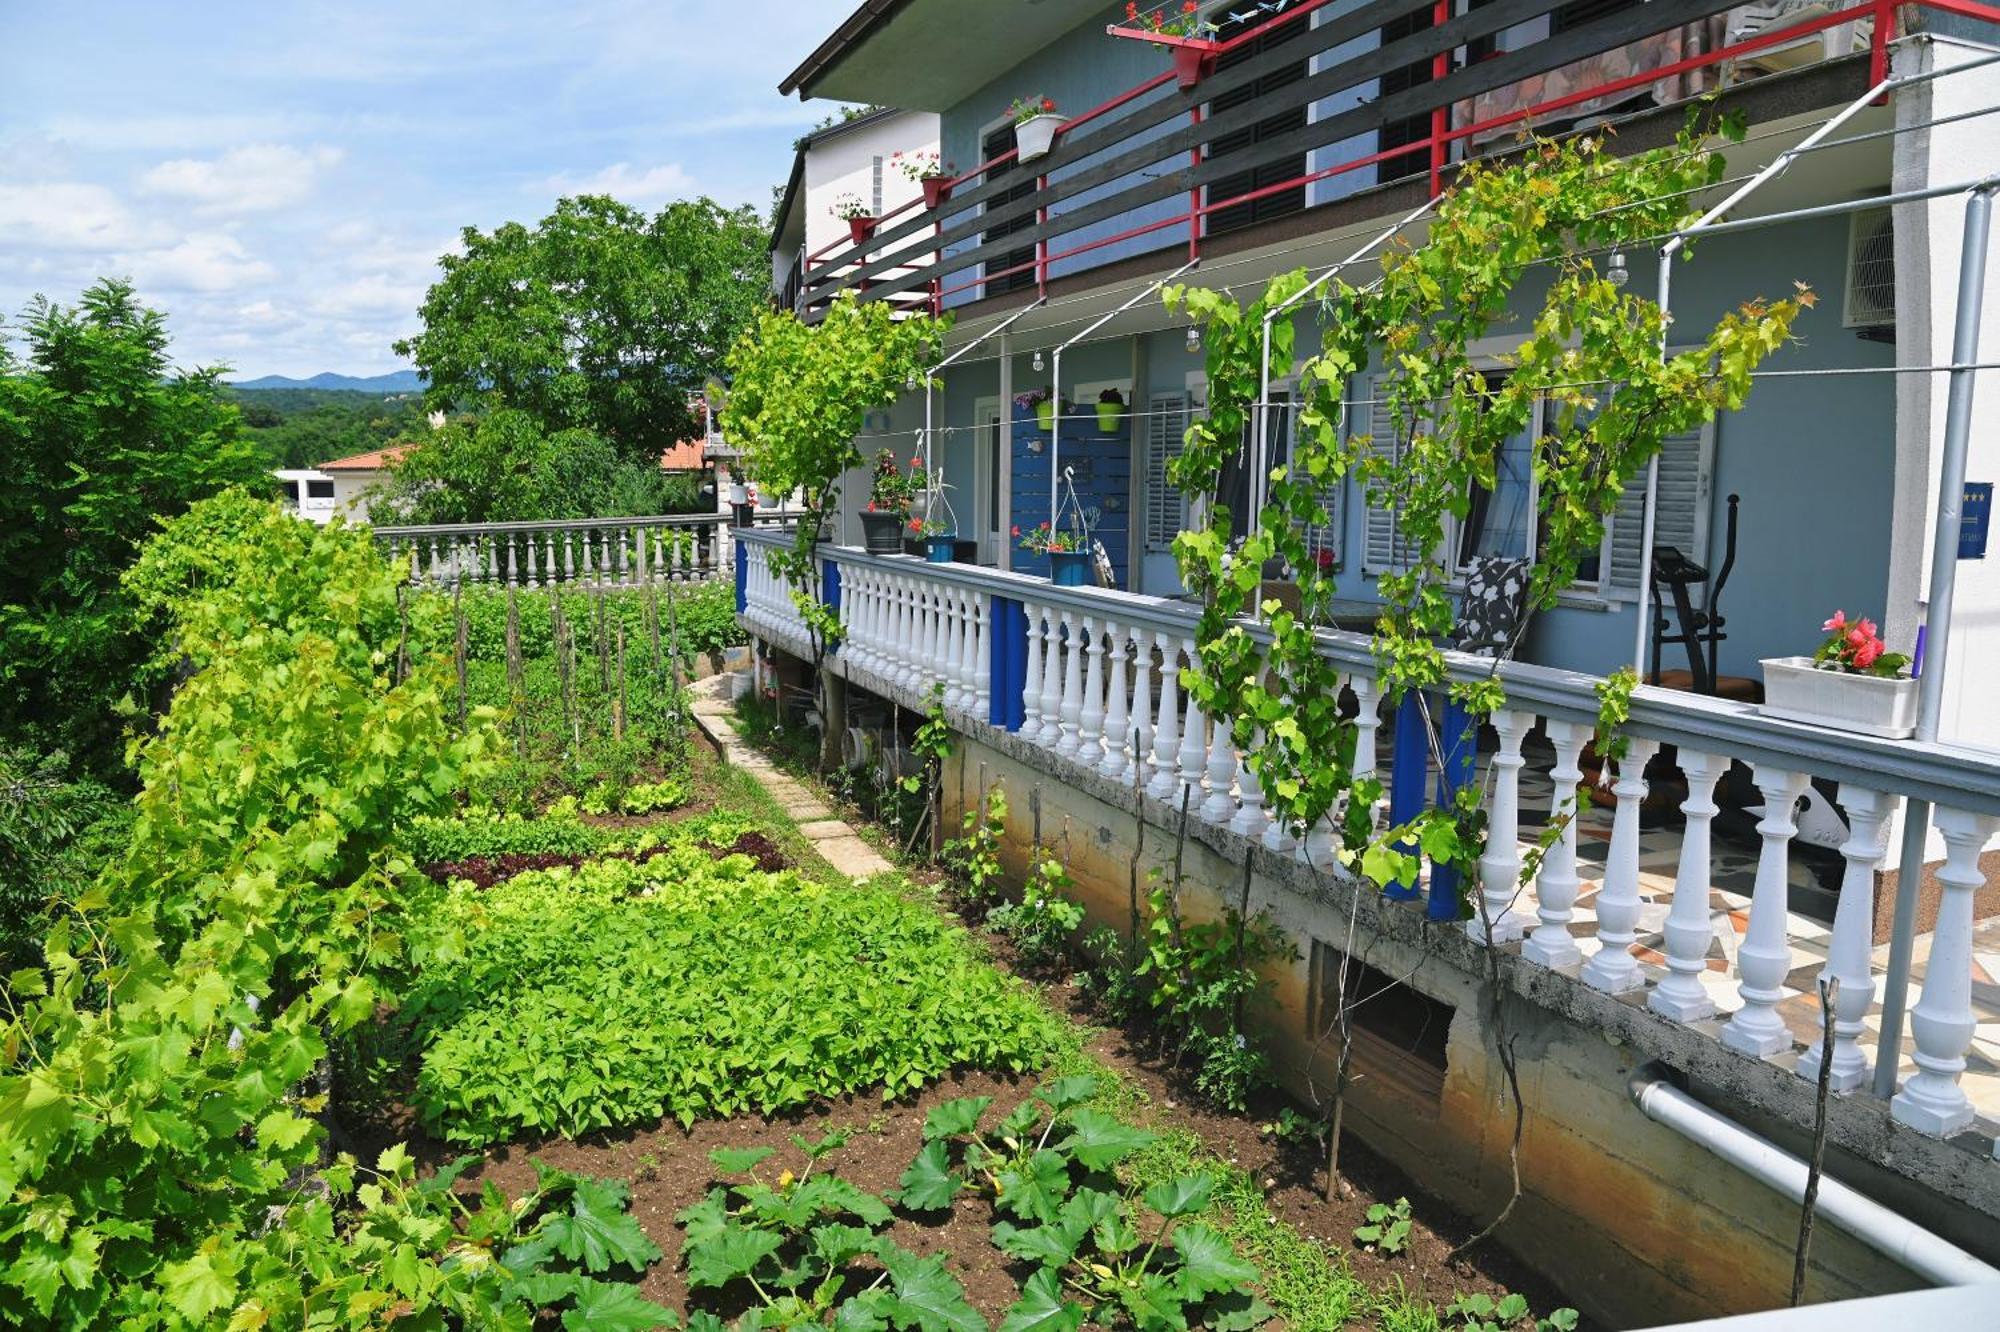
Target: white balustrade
(1690,929)
(1941,1024)
(1612,967)
(628,551)
(1764,957)
(1219,774)
(1090,717)
(1117,720)
(1071,709)
(1050,734)
(1141,738)
(1853,936)
(1166,783)
(1500,867)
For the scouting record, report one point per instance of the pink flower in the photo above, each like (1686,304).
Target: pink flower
(1856,637)
(1865,655)
(1838,622)
(1866,626)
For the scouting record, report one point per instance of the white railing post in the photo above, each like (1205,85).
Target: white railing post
(1117,720)
(1249,819)
(1219,774)
(1942,1023)
(1140,740)
(1049,734)
(1194,741)
(1500,867)
(1847,951)
(952,624)
(1690,927)
(1031,677)
(1764,958)
(1551,945)
(1072,686)
(1166,783)
(979,670)
(1612,967)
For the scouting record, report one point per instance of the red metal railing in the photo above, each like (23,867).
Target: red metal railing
(1436,145)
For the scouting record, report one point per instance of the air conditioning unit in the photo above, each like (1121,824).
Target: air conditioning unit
(1871,270)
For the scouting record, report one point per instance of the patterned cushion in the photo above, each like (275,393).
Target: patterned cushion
(1495,589)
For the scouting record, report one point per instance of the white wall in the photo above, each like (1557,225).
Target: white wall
(844,164)
(1928,240)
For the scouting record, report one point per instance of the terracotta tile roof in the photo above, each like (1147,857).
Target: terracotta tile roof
(686,456)
(377,461)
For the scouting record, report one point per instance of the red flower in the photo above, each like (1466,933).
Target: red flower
(1855,637)
(916,524)
(1866,626)
(1838,622)
(1865,655)
(1048,104)
(1017,529)
(916,464)
(1325,560)
(871,506)
(1188,6)
(1131,9)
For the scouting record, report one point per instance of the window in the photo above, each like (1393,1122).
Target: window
(1410,129)
(319,489)
(1402,1036)
(1500,522)
(1000,279)
(292,491)
(1246,140)
(1166,508)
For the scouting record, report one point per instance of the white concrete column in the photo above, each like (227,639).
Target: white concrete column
(1551,945)
(1050,734)
(1072,685)
(1117,720)
(1141,739)
(982,655)
(1031,686)
(1500,867)
(1219,773)
(1249,819)
(1941,1025)
(1690,927)
(1367,725)
(1166,783)
(1764,957)
(1853,939)
(1612,967)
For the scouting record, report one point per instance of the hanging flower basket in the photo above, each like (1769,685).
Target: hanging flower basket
(1069,568)
(861,229)
(941,549)
(1035,124)
(936,190)
(1184,31)
(1192,64)
(1110,411)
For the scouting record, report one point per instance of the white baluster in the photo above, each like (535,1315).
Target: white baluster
(1847,951)
(1166,783)
(1031,677)
(1249,819)
(982,655)
(1049,734)
(1500,867)
(1367,725)
(1942,1023)
(1090,717)
(1690,927)
(1117,721)
(1277,826)
(917,667)
(1612,967)
(1219,774)
(1140,737)
(1552,945)
(952,649)
(1072,686)
(1194,743)
(1764,958)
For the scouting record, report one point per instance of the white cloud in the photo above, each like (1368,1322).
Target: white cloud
(68,215)
(204,261)
(645,188)
(255,178)
(369,294)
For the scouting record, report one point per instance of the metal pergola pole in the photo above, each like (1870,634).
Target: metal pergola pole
(1937,619)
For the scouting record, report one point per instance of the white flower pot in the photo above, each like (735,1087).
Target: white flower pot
(739,493)
(1034,137)
(1797,690)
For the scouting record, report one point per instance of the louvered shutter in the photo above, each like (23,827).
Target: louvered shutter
(1166,430)
(1680,517)
(1383,549)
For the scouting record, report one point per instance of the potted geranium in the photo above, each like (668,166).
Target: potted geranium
(1068,550)
(890,495)
(1035,122)
(860,223)
(1110,410)
(1042,403)
(1189,38)
(937,538)
(933,176)
(1852,682)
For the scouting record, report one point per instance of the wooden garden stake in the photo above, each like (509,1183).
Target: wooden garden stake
(458,644)
(1829,990)
(618,708)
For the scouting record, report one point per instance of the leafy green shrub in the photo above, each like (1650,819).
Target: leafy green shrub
(616,992)
(1203,982)
(1043,922)
(1099,1254)
(1106,975)
(974,859)
(56,832)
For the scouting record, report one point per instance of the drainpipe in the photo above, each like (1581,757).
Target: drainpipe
(1895,1237)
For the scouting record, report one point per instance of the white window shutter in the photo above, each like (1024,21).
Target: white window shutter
(1680,517)
(1166,430)
(1383,549)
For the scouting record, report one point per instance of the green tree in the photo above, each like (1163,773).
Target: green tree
(598,318)
(103,438)
(499,466)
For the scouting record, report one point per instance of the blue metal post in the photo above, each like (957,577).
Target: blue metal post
(1460,739)
(829,593)
(1410,765)
(742,576)
(1009,663)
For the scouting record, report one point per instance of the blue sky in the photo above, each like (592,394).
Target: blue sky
(280,178)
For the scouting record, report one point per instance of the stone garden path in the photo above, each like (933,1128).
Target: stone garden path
(838,844)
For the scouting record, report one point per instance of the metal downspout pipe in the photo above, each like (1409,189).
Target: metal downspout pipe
(1895,1237)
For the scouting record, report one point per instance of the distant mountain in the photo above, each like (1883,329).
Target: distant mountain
(396,381)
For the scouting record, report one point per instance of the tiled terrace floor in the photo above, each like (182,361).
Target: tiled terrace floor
(1733,876)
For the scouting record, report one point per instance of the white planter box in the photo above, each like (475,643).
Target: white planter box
(1034,137)
(739,493)
(1869,704)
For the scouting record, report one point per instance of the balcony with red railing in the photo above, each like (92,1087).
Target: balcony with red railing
(1270,119)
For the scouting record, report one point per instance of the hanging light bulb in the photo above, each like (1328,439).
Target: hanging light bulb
(1193,338)
(1038,358)
(1615,272)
